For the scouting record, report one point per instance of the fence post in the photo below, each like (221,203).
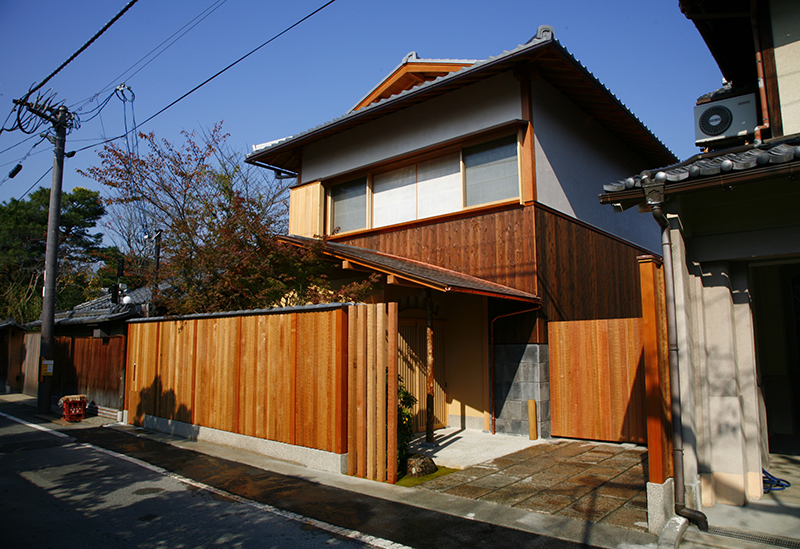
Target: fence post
(391,424)
(657,403)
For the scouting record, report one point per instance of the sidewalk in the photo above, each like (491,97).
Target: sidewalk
(500,457)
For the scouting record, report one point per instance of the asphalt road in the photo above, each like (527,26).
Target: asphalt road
(102,487)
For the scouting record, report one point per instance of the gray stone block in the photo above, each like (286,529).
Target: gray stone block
(543,410)
(512,410)
(544,428)
(518,427)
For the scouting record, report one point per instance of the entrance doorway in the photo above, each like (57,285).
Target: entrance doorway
(776,311)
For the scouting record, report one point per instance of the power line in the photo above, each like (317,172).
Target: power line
(287,29)
(50,169)
(86,45)
(193,22)
(18,144)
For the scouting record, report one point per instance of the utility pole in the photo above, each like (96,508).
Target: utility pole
(60,121)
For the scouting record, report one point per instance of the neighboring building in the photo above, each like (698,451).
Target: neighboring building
(11,356)
(735,247)
(90,350)
(480,169)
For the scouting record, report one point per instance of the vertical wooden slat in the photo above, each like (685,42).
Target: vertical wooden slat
(361,393)
(293,380)
(371,400)
(341,382)
(381,362)
(352,386)
(391,352)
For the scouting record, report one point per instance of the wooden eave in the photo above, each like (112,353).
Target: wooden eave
(726,28)
(547,59)
(414,273)
(408,76)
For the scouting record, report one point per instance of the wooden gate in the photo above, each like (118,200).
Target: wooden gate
(597,380)
(413,369)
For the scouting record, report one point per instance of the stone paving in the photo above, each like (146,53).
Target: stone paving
(605,483)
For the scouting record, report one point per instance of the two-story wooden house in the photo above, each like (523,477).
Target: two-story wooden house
(473,179)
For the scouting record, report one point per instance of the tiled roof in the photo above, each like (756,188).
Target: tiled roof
(421,273)
(102,310)
(10,323)
(558,66)
(720,163)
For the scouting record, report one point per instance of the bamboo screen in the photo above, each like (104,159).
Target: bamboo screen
(413,369)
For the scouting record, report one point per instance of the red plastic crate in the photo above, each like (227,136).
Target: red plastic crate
(74,407)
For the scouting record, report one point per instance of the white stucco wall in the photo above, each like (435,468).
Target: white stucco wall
(575,157)
(480,106)
(785,16)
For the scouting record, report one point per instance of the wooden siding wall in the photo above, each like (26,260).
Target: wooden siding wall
(496,245)
(413,369)
(276,377)
(582,274)
(597,380)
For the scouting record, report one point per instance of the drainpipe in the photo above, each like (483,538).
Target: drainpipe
(762,90)
(491,358)
(654,192)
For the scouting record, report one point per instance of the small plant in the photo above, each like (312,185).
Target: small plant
(405,423)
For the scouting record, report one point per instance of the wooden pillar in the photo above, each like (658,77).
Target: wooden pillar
(656,367)
(429,347)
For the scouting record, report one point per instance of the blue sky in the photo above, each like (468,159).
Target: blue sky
(647,53)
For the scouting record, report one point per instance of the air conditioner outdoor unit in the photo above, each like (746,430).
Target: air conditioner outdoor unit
(725,118)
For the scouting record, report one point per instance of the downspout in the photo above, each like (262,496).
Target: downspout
(762,90)
(654,192)
(491,358)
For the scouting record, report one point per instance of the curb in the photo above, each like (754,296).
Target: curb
(673,533)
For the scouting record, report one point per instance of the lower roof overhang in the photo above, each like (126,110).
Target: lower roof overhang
(414,272)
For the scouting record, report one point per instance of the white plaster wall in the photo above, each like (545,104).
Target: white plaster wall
(786,39)
(575,157)
(482,105)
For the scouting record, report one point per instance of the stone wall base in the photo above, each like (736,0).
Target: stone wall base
(309,457)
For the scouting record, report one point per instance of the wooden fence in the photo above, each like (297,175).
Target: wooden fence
(597,380)
(85,365)
(372,392)
(308,378)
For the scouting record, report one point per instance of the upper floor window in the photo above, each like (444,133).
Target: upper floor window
(473,176)
(349,203)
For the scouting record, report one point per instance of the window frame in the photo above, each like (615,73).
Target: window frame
(414,160)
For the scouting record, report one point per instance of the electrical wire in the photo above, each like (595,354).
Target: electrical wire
(251,52)
(50,169)
(18,144)
(196,20)
(27,121)
(86,45)
(21,160)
